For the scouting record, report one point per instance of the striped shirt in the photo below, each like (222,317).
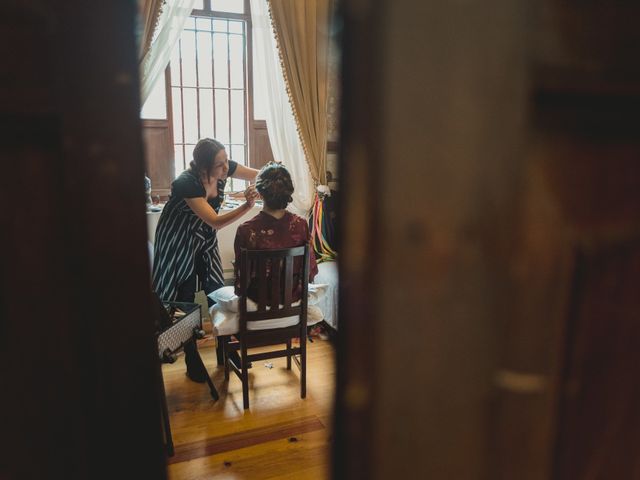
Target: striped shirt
(182,238)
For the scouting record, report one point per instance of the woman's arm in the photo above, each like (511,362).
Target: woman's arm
(205,212)
(245,173)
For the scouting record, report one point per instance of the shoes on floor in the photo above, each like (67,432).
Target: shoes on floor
(318,331)
(198,377)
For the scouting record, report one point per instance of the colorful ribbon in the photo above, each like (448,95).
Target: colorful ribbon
(320,226)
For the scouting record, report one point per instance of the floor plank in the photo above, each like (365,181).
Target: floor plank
(304,459)
(281,436)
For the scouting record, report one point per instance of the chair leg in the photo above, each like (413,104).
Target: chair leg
(245,378)
(212,388)
(220,350)
(289,355)
(303,366)
(225,355)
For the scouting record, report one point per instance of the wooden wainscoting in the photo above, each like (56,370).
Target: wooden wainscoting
(159,156)
(79,376)
(260,148)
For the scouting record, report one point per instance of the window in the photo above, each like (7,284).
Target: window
(156,105)
(209,82)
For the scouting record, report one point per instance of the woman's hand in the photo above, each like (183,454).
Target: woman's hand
(251,195)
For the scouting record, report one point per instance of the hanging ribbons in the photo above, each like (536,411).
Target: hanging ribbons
(320,231)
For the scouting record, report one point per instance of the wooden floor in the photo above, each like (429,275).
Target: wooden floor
(281,436)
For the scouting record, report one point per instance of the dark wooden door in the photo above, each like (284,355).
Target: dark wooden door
(79,366)
(490,199)
(599,419)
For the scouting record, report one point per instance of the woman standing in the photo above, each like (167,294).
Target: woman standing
(186,257)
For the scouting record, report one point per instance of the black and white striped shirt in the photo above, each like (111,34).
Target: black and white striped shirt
(182,238)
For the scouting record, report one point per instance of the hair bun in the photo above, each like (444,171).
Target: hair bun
(275,185)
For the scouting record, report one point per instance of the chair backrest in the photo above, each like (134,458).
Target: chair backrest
(273,280)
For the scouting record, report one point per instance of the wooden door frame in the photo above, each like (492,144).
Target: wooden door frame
(80,358)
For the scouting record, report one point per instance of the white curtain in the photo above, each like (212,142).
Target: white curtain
(270,85)
(170,24)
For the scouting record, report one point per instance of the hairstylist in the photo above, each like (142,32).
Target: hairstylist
(186,257)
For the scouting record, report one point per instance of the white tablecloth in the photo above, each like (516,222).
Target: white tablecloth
(328,273)
(152,223)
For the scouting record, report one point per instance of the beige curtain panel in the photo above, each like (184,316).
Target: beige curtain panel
(302,32)
(149,14)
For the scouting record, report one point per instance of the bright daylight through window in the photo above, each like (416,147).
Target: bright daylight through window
(208,83)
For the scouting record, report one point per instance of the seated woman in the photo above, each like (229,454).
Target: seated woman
(274,227)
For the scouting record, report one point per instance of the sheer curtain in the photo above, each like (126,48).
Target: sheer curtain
(172,18)
(269,84)
(302,29)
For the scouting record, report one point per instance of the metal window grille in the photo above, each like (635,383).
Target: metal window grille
(209,87)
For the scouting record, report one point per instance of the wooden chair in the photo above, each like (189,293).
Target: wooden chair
(274,302)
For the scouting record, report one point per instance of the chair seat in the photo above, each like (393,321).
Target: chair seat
(226,319)
(226,322)
(228,300)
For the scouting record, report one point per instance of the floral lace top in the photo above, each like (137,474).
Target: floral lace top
(264,232)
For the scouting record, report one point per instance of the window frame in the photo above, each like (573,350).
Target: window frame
(248,97)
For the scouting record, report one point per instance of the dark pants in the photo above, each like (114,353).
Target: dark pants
(187,290)
(187,293)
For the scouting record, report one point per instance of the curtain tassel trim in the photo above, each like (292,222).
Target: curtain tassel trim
(296,116)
